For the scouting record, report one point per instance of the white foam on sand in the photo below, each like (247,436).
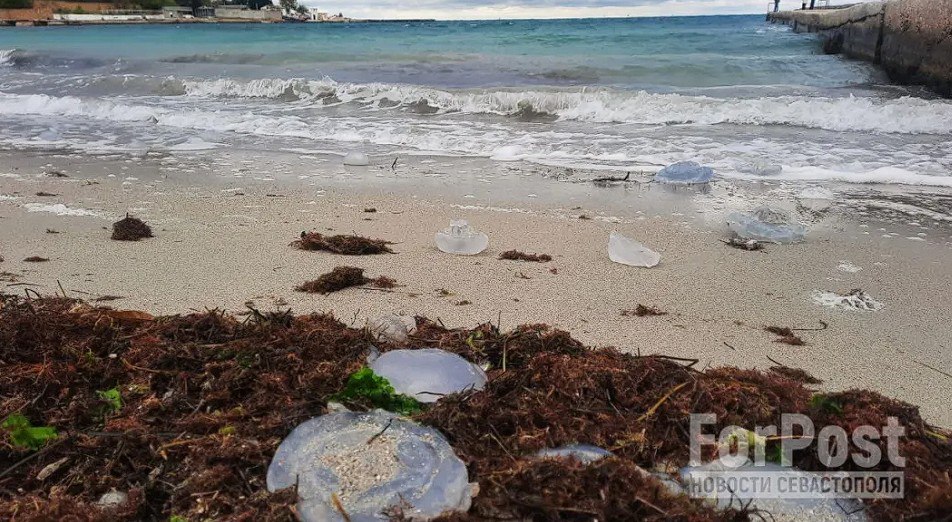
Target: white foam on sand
(887,175)
(846,266)
(855,300)
(194,144)
(906,208)
(60,210)
(508,153)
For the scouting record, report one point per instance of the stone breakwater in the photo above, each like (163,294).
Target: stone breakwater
(910,39)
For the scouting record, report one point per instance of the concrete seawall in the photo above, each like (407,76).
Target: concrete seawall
(910,39)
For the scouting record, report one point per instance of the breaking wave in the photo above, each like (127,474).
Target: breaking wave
(906,115)
(6,57)
(548,145)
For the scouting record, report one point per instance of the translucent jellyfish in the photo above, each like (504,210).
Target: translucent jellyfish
(50,135)
(392,327)
(629,252)
(365,463)
(816,193)
(356,159)
(685,173)
(584,453)
(816,198)
(428,374)
(461,239)
(112,498)
(766,224)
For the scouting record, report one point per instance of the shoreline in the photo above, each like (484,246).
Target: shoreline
(223,240)
(176,21)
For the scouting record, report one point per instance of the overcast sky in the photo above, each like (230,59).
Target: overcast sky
(492,9)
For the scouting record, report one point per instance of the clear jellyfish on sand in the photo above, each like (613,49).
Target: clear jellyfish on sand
(630,252)
(685,173)
(816,198)
(428,374)
(461,239)
(766,224)
(392,327)
(355,465)
(50,134)
(356,159)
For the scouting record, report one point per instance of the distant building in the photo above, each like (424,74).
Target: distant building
(241,12)
(177,11)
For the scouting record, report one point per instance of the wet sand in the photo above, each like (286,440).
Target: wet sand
(224,242)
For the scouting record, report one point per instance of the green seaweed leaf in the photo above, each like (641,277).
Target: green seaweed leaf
(112,398)
(25,435)
(365,386)
(826,403)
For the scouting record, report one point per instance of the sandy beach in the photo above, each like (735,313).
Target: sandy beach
(222,240)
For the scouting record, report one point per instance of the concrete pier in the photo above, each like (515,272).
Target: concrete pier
(910,39)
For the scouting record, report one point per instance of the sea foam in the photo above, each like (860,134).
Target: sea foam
(6,57)
(59,209)
(849,160)
(906,115)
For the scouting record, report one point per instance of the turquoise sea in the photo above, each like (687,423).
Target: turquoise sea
(731,91)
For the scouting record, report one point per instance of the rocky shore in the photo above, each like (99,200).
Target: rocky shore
(909,39)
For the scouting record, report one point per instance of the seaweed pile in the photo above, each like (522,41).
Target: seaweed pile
(183,414)
(130,229)
(517,255)
(347,245)
(342,277)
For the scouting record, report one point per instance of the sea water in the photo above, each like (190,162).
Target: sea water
(730,92)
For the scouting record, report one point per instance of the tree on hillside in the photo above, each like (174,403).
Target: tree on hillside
(288,5)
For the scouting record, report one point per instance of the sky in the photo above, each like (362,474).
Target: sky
(493,9)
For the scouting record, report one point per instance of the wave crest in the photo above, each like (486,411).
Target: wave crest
(479,137)
(906,115)
(7,57)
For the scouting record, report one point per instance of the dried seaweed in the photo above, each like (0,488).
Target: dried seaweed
(35,259)
(347,245)
(786,335)
(130,229)
(383,282)
(796,374)
(643,311)
(206,399)
(743,244)
(342,277)
(516,255)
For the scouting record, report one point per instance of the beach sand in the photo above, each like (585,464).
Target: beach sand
(225,242)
